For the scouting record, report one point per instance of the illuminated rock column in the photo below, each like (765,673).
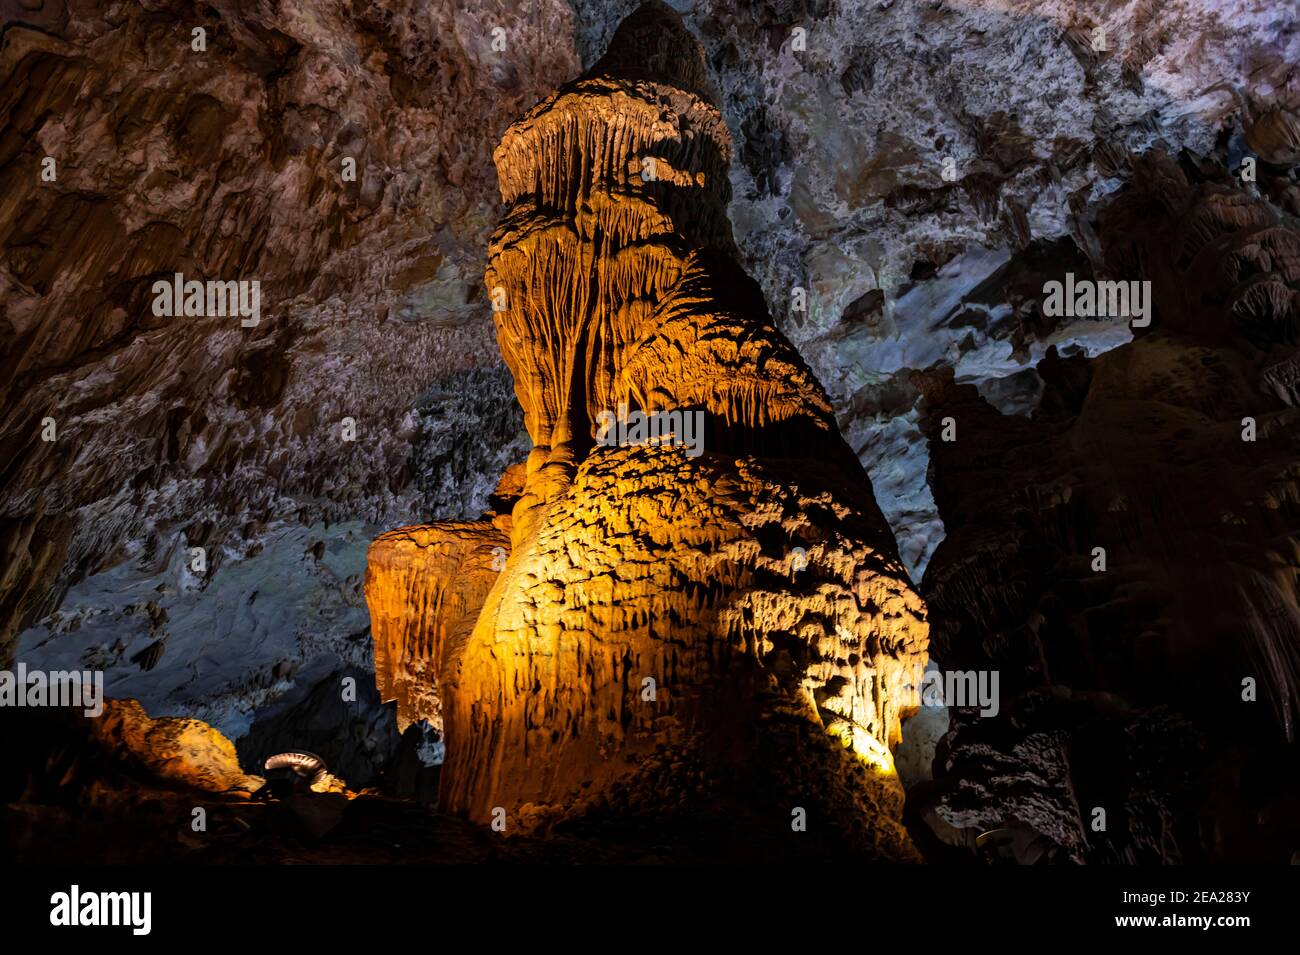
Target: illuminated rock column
(712,622)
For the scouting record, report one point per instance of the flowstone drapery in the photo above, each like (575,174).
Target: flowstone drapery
(687,639)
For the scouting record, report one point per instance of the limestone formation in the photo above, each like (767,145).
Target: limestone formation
(336,153)
(905,175)
(425,585)
(1129,559)
(673,638)
(232,163)
(125,743)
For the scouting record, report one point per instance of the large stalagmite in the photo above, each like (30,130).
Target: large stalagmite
(675,637)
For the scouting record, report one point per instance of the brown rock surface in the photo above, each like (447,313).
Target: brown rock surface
(177,751)
(425,586)
(226,163)
(655,652)
(127,790)
(121,749)
(1122,687)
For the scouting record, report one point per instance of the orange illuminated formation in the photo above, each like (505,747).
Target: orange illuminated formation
(653,635)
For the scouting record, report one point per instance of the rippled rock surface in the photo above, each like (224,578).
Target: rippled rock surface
(1129,557)
(711,637)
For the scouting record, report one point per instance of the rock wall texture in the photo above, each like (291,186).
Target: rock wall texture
(841,187)
(1129,557)
(426,585)
(673,624)
(178,432)
(227,163)
(55,751)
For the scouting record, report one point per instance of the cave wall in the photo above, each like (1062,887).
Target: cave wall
(228,164)
(1128,558)
(177,433)
(182,432)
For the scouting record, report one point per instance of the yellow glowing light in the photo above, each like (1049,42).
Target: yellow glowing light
(871,750)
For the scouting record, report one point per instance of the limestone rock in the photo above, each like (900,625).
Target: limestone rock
(913,155)
(123,748)
(1127,559)
(425,586)
(228,163)
(183,752)
(674,623)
